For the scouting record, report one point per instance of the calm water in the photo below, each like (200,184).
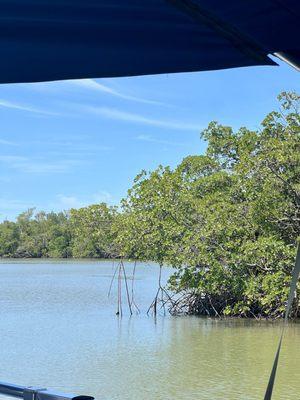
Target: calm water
(58,329)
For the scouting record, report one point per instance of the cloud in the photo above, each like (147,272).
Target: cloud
(5,179)
(113,113)
(67,202)
(60,166)
(151,139)
(56,156)
(12,159)
(9,208)
(10,205)
(30,166)
(8,142)
(92,85)
(82,147)
(22,107)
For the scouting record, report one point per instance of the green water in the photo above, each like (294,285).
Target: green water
(59,330)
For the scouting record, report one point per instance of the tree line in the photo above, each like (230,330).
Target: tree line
(79,233)
(228,221)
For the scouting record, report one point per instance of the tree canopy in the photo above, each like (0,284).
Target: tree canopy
(227,221)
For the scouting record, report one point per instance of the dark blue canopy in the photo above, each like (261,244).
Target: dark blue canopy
(61,39)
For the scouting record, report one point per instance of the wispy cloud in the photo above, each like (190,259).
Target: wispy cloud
(5,179)
(59,155)
(10,207)
(97,86)
(67,202)
(80,147)
(32,166)
(91,85)
(119,115)
(47,167)
(12,159)
(10,204)
(8,142)
(83,145)
(23,107)
(151,139)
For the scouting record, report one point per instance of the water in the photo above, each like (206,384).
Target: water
(58,329)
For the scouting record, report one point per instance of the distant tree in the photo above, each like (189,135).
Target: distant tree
(27,246)
(9,238)
(91,231)
(41,235)
(59,235)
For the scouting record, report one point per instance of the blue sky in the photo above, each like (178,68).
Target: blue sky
(73,143)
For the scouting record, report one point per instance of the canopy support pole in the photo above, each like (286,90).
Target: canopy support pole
(292,292)
(288,59)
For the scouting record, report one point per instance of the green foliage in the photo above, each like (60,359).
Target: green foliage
(85,232)
(9,239)
(37,235)
(92,231)
(227,221)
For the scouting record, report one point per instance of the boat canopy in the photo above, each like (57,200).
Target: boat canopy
(44,40)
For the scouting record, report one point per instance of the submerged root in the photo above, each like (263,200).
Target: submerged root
(192,303)
(132,300)
(121,276)
(162,298)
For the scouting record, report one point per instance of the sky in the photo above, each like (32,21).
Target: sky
(74,143)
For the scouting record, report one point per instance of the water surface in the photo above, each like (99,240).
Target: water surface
(58,329)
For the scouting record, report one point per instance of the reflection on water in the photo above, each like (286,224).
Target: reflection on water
(58,329)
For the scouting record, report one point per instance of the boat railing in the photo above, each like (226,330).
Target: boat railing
(36,393)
